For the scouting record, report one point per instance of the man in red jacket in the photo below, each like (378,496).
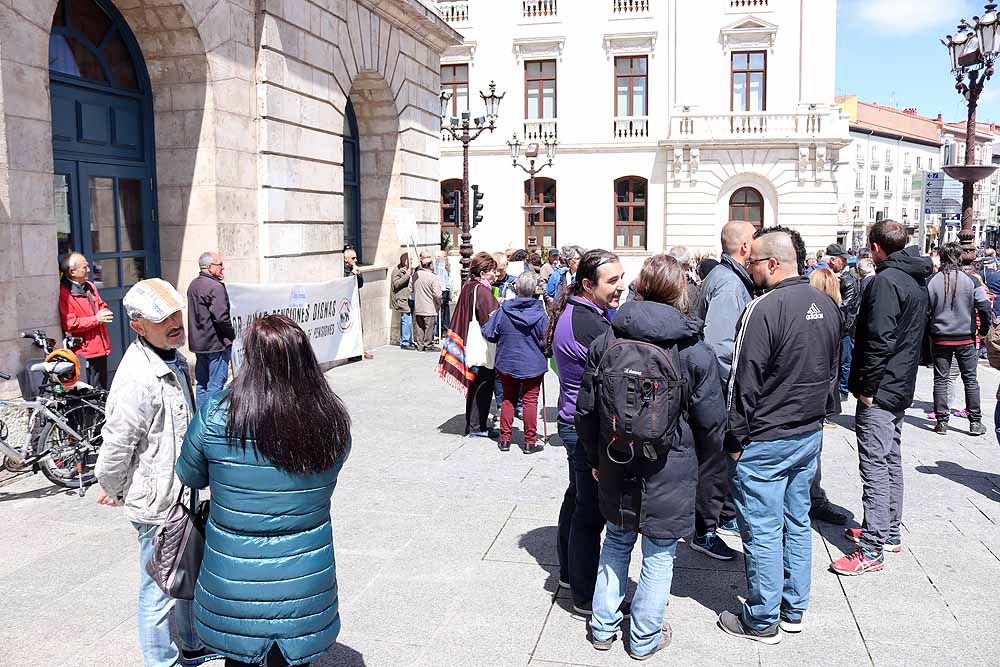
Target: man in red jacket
(85,314)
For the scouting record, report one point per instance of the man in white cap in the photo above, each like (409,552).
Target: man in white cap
(148,410)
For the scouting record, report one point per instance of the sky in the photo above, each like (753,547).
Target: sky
(888,53)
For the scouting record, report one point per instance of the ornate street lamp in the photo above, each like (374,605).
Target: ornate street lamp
(973,51)
(462,130)
(531,152)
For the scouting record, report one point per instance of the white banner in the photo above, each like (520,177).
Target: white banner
(328,312)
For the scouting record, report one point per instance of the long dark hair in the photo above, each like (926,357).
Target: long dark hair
(951,259)
(591,261)
(280,403)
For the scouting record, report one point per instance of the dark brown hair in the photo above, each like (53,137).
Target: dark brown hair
(280,403)
(482,263)
(590,263)
(663,280)
(951,260)
(404,261)
(889,235)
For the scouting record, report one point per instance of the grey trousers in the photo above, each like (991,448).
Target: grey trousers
(879,432)
(967,359)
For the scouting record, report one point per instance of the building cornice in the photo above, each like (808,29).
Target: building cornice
(629,43)
(750,32)
(895,136)
(419,18)
(538,47)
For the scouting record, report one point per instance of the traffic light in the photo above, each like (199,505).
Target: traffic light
(453,212)
(477,198)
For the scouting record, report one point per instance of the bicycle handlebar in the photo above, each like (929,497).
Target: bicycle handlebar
(4,376)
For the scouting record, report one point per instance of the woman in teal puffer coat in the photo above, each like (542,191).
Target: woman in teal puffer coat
(270,448)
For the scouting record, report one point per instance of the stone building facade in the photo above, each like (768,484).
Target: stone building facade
(145,132)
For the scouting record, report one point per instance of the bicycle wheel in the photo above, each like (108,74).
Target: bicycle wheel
(69,459)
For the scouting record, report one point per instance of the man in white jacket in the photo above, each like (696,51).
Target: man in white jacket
(148,410)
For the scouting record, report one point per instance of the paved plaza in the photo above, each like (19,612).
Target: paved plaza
(446,553)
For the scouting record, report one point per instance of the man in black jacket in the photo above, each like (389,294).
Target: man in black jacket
(783,378)
(890,331)
(850,303)
(211,329)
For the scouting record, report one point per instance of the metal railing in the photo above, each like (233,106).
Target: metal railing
(747,4)
(752,125)
(629,6)
(539,8)
(888,165)
(631,127)
(454,11)
(540,129)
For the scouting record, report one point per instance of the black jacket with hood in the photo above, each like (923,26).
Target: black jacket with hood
(786,365)
(890,330)
(656,498)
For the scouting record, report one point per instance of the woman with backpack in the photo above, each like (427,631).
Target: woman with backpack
(270,448)
(650,396)
(518,329)
(955,299)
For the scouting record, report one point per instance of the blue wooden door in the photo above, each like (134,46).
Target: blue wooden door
(102,145)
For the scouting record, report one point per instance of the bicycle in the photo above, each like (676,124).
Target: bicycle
(64,428)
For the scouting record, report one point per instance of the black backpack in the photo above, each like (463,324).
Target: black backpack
(641,396)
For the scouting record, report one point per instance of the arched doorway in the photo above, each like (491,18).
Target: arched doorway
(747,205)
(102,147)
(352,183)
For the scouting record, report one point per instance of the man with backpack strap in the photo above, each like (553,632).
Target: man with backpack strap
(785,370)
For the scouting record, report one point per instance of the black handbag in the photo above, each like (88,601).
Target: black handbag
(178,547)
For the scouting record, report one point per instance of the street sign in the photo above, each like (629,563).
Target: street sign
(942,195)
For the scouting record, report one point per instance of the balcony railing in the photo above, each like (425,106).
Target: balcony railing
(875,163)
(888,194)
(906,194)
(748,5)
(454,11)
(873,193)
(888,165)
(629,6)
(859,192)
(540,129)
(631,127)
(907,167)
(861,159)
(763,125)
(539,8)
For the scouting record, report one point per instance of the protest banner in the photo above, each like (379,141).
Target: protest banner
(328,312)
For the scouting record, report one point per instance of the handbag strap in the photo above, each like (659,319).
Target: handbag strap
(475,297)
(191,497)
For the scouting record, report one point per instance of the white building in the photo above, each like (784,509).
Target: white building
(672,118)
(889,152)
(953,152)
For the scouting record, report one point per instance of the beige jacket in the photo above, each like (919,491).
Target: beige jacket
(426,293)
(147,417)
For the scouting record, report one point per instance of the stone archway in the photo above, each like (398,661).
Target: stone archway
(378,127)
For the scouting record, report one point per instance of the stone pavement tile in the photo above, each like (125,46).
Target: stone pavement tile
(409,609)
(355,493)
(77,560)
(452,655)
(949,568)
(501,610)
(546,509)
(352,650)
(378,533)
(884,654)
(118,647)
(356,572)
(527,541)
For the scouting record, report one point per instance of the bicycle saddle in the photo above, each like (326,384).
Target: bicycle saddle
(57,367)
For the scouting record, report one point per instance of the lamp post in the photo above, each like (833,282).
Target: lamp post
(973,50)
(531,152)
(461,129)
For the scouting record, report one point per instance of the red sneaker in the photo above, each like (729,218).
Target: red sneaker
(892,545)
(857,563)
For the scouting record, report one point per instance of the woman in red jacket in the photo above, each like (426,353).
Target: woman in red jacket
(85,314)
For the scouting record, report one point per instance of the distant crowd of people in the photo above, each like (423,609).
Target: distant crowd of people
(693,399)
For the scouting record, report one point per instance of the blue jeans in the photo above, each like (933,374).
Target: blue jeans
(770,485)
(996,421)
(405,329)
(211,370)
(580,521)
(652,595)
(158,648)
(846,352)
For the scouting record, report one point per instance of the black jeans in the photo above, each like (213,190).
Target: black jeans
(273,659)
(968,361)
(97,372)
(480,397)
(713,494)
(580,521)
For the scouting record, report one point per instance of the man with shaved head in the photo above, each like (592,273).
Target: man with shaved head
(785,370)
(724,293)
